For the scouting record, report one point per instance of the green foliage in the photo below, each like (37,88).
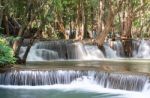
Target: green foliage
(44,13)
(1,30)
(6,53)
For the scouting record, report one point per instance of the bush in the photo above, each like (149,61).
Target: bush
(6,53)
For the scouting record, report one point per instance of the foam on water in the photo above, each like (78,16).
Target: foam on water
(84,84)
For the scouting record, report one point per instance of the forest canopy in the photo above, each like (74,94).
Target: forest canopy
(76,19)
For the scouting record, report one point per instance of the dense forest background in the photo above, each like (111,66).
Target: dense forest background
(73,19)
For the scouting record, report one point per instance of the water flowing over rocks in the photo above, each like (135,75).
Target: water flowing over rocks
(124,81)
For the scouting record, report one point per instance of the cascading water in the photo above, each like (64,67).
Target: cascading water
(69,50)
(119,48)
(122,81)
(109,52)
(142,50)
(114,49)
(62,50)
(112,83)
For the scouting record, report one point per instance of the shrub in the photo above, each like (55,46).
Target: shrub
(6,53)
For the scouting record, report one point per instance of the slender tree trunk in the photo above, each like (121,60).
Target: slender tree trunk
(85,20)
(61,26)
(92,22)
(100,15)
(120,21)
(141,19)
(80,21)
(70,26)
(6,24)
(5,18)
(1,12)
(62,30)
(1,15)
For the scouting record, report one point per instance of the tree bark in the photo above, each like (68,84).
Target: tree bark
(100,15)
(112,11)
(6,25)
(61,25)
(107,28)
(80,20)
(85,20)
(1,15)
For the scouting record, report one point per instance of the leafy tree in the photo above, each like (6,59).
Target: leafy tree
(6,53)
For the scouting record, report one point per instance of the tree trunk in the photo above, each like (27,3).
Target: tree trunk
(107,28)
(17,44)
(1,12)
(80,21)
(1,15)
(62,30)
(6,25)
(85,22)
(101,37)
(100,15)
(92,22)
(83,19)
(61,25)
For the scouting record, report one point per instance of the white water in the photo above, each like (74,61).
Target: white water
(114,49)
(87,85)
(72,51)
(143,50)
(57,50)
(93,53)
(110,53)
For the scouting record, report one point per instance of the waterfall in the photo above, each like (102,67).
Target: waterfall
(62,50)
(142,49)
(114,49)
(109,52)
(69,50)
(93,52)
(124,81)
(119,48)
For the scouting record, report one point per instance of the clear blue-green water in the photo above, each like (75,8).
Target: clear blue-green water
(11,93)
(67,91)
